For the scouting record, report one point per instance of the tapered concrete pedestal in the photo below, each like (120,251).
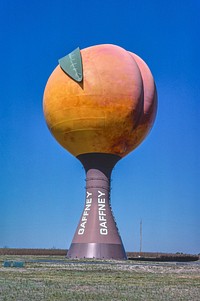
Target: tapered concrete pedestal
(97,234)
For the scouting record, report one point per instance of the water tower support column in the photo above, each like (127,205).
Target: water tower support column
(97,235)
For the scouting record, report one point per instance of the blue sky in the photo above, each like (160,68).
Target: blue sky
(41,185)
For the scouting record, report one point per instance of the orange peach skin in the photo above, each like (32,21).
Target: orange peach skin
(106,112)
(149,111)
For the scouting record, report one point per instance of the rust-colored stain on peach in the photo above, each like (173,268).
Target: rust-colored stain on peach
(111,111)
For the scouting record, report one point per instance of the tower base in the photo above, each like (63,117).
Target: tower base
(97,250)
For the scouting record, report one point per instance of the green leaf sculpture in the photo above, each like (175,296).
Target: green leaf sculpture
(71,64)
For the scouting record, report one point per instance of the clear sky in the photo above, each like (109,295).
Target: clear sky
(42,185)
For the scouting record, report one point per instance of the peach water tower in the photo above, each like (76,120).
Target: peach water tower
(99,104)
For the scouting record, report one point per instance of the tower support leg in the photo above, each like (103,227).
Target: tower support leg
(97,235)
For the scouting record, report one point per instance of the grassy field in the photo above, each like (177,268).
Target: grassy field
(57,278)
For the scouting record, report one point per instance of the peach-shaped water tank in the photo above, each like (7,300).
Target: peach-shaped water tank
(100,113)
